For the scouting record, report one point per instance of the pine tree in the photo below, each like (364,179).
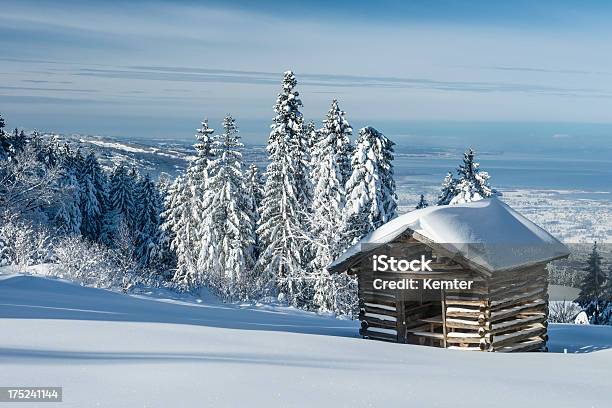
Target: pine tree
(255,190)
(371,202)
(18,141)
(280,226)
(68,217)
(197,211)
(121,198)
(163,185)
(371,198)
(228,231)
(91,212)
(472,184)
(448,189)
(591,296)
(337,131)
(422,203)
(198,170)
(147,223)
(93,198)
(301,159)
(185,212)
(5,144)
(330,176)
(311,134)
(177,223)
(254,193)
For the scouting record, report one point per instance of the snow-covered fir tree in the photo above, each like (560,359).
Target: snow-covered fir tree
(198,169)
(371,198)
(422,203)
(5,143)
(178,224)
(254,192)
(472,183)
(147,222)
(300,151)
(336,129)
(197,184)
(371,202)
(21,141)
(68,216)
(185,212)
(281,216)
(17,141)
(330,176)
(122,206)
(448,190)
(229,232)
(311,133)
(93,198)
(163,184)
(592,289)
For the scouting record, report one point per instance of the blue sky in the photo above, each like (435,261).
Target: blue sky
(154,69)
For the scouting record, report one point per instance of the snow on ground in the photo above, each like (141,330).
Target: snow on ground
(112,350)
(566,216)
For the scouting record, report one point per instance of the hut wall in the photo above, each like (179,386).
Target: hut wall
(509,314)
(505,312)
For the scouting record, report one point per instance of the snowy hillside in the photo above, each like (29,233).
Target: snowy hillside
(150,156)
(111,350)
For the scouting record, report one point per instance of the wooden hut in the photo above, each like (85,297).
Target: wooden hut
(487,243)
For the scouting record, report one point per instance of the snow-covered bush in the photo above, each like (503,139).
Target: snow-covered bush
(563,311)
(23,243)
(85,262)
(93,264)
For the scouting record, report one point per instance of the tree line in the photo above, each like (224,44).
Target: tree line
(245,233)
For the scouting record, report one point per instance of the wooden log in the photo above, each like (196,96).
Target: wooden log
(373,322)
(426,334)
(532,343)
(514,337)
(466,324)
(506,292)
(520,274)
(377,300)
(380,317)
(375,311)
(505,313)
(389,307)
(464,348)
(518,299)
(378,335)
(463,340)
(516,323)
(473,301)
(465,312)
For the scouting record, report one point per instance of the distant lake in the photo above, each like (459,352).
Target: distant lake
(563,172)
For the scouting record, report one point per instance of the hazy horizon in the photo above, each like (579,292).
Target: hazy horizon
(443,72)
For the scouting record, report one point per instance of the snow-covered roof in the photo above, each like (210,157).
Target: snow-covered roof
(487,233)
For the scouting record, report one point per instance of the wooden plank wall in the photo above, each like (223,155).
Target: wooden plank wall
(506,312)
(510,314)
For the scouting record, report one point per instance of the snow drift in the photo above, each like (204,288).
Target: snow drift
(113,350)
